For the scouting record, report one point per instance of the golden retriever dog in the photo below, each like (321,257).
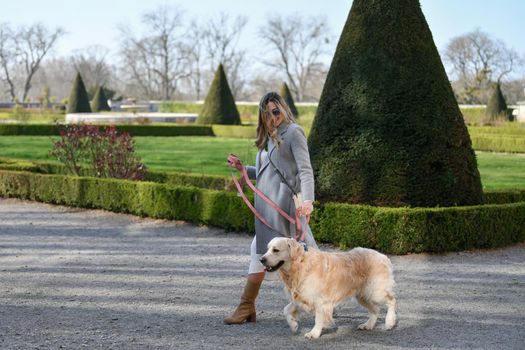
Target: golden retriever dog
(318,281)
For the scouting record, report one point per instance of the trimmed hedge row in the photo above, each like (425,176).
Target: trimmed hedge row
(404,230)
(247,110)
(391,230)
(212,182)
(498,143)
(515,129)
(504,197)
(134,130)
(235,131)
(216,208)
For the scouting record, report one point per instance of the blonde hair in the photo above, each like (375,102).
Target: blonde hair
(263,134)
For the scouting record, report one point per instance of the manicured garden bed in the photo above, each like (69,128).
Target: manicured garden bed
(189,198)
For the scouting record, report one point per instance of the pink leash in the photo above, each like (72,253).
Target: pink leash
(297,221)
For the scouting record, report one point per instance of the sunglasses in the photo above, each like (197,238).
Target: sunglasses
(276,112)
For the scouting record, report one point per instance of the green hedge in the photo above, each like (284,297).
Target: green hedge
(503,197)
(391,230)
(404,230)
(508,129)
(237,131)
(29,129)
(216,208)
(214,182)
(474,115)
(498,143)
(248,110)
(134,130)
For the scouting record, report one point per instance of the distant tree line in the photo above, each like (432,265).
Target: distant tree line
(478,62)
(172,57)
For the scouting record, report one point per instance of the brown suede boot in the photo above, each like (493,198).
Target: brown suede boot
(246,309)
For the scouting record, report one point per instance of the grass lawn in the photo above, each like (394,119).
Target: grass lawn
(500,171)
(207,155)
(198,154)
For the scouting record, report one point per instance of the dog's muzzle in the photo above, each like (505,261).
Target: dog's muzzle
(271,268)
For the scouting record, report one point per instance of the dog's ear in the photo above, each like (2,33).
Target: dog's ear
(296,249)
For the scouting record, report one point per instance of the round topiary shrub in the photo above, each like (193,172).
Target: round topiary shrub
(388,130)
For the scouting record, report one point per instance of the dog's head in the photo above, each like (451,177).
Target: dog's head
(281,251)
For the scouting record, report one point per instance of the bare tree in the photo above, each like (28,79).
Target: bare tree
(261,83)
(7,58)
(92,64)
(156,61)
(477,60)
(195,51)
(56,73)
(22,51)
(299,44)
(222,35)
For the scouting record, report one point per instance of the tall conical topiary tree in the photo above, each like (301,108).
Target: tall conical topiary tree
(219,106)
(100,101)
(388,130)
(287,95)
(496,107)
(78,98)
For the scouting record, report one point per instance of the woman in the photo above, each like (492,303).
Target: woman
(282,168)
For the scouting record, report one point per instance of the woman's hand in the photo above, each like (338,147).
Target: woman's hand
(234,161)
(306,209)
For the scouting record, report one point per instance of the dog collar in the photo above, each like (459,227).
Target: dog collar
(303,243)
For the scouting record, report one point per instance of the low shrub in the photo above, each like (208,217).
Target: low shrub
(390,230)
(474,115)
(213,182)
(503,197)
(498,143)
(106,153)
(234,131)
(508,129)
(134,130)
(404,230)
(216,208)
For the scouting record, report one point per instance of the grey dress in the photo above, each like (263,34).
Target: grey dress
(292,159)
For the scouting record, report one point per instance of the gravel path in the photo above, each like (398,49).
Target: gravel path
(72,278)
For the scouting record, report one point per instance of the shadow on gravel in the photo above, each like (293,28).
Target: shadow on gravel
(85,279)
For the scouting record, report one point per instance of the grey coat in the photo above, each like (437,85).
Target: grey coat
(292,159)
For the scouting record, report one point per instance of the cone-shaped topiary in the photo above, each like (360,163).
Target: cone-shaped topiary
(496,107)
(287,96)
(78,99)
(100,101)
(388,130)
(219,106)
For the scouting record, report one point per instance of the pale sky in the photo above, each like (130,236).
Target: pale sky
(95,21)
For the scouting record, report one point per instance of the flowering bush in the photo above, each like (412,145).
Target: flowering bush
(105,152)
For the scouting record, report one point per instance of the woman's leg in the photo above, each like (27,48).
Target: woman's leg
(246,309)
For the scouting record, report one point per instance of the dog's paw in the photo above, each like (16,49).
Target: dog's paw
(389,325)
(313,334)
(365,327)
(294,325)
(390,321)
